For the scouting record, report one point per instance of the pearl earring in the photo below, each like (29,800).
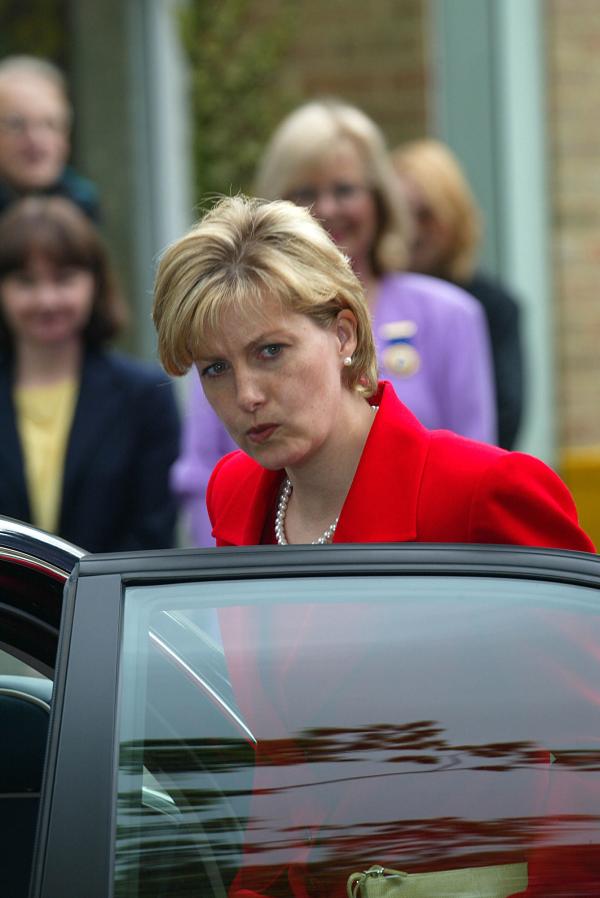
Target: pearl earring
(348,361)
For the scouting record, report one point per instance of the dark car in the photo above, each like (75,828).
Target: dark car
(277,721)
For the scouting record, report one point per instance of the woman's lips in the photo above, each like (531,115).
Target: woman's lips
(261,434)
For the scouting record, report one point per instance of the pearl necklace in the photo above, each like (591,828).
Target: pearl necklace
(282,505)
(284,498)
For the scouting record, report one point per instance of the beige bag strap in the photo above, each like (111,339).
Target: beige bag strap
(498,881)
(356,880)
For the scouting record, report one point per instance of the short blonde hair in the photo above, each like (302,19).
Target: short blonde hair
(242,251)
(307,136)
(437,174)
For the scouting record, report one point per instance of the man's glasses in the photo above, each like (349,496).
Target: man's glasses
(17,125)
(342,193)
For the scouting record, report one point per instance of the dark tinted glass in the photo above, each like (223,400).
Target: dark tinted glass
(278,736)
(30,608)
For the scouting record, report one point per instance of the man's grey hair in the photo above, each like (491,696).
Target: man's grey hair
(34,65)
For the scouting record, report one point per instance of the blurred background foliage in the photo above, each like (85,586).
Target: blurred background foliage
(35,27)
(235,51)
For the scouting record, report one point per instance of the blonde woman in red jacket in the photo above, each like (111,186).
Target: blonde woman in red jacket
(260,299)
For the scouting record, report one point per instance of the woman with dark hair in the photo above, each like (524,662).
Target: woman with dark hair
(88,435)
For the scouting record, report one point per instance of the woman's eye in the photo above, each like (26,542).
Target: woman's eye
(304,196)
(214,370)
(271,350)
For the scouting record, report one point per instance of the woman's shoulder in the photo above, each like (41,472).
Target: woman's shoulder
(480,464)
(132,387)
(482,285)
(468,467)
(128,368)
(235,467)
(473,492)
(494,296)
(429,293)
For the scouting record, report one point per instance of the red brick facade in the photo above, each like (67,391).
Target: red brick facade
(371,54)
(574,138)
(573,65)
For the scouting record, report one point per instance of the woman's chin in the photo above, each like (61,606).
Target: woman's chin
(53,336)
(272,461)
(273,458)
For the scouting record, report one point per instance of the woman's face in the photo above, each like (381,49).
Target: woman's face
(430,237)
(276,381)
(47,304)
(338,194)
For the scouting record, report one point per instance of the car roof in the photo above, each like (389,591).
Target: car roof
(347,559)
(22,542)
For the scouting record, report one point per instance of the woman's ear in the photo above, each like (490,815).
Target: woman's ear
(346,331)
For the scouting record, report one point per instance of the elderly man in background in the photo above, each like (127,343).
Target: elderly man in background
(35,125)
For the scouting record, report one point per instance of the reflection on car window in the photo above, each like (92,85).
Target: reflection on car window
(295,732)
(11,665)
(30,609)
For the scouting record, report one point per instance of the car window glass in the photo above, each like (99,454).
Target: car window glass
(30,608)
(30,603)
(278,736)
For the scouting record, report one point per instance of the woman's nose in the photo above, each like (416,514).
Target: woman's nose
(325,206)
(46,292)
(249,392)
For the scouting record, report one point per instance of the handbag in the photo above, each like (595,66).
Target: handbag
(498,881)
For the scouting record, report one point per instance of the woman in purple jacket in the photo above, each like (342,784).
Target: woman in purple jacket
(431,337)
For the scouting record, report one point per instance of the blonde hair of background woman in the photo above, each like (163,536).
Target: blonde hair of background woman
(308,136)
(242,251)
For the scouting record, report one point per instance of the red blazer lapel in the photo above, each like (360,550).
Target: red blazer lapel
(243,511)
(381,505)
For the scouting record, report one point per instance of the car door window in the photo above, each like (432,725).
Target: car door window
(278,736)
(30,607)
(30,601)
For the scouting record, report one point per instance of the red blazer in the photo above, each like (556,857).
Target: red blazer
(414,485)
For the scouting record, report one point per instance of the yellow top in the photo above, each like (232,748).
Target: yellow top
(44,416)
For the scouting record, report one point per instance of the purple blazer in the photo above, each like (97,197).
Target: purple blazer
(432,344)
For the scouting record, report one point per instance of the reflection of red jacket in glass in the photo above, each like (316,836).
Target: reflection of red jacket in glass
(348,774)
(417,485)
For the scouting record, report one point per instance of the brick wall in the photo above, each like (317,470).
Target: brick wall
(573,42)
(371,54)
